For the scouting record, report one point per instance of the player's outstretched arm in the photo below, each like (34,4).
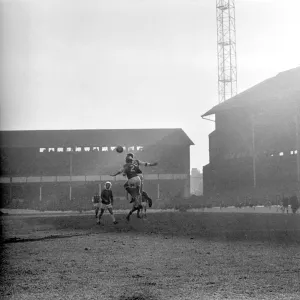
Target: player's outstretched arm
(148,164)
(119,172)
(113,175)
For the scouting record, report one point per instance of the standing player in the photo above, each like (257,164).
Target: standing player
(145,200)
(96,201)
(107,201)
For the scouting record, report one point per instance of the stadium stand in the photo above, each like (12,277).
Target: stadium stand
(62,169)
(254,148)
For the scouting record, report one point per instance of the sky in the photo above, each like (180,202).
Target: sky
(78,64)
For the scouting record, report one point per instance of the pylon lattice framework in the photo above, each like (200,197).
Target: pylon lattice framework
(226,39)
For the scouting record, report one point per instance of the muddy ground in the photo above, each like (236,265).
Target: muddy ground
(169,256)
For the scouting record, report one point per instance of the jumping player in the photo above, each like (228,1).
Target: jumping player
(96,201)
(131,170)
(134,183)
(107,201)
(140,174)
(138,163)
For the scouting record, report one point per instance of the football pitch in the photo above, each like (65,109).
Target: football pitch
(171,255)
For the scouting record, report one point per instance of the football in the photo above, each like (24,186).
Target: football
(119,149)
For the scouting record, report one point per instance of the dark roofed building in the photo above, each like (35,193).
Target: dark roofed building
(106,137)
(253,149)
(281,89)
(73,157)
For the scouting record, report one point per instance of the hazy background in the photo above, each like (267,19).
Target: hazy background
(76,64)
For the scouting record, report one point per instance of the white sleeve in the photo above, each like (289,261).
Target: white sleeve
(142,163)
